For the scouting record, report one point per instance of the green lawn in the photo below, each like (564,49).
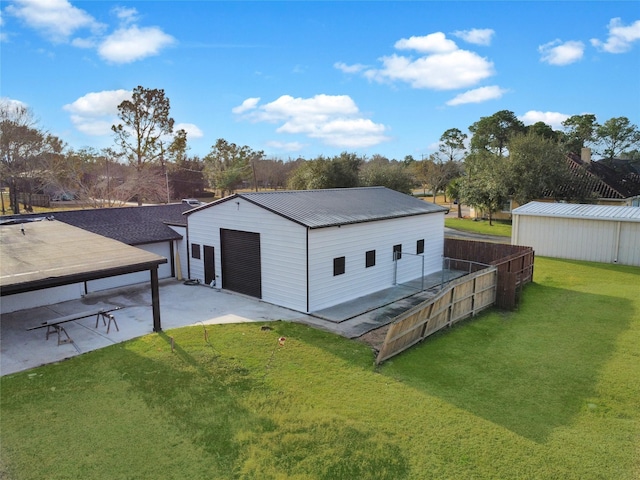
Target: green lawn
(500,227)
(551,391)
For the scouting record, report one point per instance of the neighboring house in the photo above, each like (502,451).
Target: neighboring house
(310,250)
(157,229)
(604,182)
(597,233)
(607,180)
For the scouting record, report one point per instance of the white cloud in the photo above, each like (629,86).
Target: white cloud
(554,119)
(11,104)
(477,95)
(133,43)
(620,38)
(248,104)
(355,68)
(442,71)
(3,36)
(126,15)
(333,119)
(440,65)
(58,20)
(286,146)
(432,43)
(477,36)
(95,112)
(558,53)
(55,19)
(193,131)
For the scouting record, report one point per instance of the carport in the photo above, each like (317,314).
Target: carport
(43,254)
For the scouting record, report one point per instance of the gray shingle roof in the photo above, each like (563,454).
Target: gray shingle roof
(340,206)
(130,225)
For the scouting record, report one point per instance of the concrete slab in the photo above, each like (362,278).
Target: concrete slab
(183,305)
(180,305)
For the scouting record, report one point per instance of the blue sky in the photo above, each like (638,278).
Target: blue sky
(301,78)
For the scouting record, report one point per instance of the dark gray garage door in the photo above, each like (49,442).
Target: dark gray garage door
(241,270)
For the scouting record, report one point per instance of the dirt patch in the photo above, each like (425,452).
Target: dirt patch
(374,338)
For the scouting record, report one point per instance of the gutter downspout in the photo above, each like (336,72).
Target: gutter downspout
(617,245)
(307,254)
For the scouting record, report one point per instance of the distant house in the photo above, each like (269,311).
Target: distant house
(609,181)
(603,182)
(309,250)
(597,233)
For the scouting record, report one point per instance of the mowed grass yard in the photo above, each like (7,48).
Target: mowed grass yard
(551,391)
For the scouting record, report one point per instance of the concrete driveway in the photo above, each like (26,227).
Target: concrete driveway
(180,305)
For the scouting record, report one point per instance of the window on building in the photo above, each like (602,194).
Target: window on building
(397,252)
(370,258)
(338,266)
(195,251)
(419,247)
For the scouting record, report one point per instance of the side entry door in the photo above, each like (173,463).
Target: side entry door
(209,264)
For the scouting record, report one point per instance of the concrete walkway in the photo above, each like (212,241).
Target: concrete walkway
(183,305)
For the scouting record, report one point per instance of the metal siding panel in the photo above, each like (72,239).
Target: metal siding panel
(575,239)
(48,296)
(629,252)
(353,241)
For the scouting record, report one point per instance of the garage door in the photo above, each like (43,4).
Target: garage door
(241,270)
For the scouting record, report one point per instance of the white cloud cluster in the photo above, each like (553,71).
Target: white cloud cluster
(442,65)
(333,119)
(94,113)
(193,131)
(621,37)
(60,21)
(132,43)
(554,119)
(561,53)
(355,68)
(620,40)
(55,19)
(477,95)
(477,36)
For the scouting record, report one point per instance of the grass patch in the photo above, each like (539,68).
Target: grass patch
(550,391)
(500,228)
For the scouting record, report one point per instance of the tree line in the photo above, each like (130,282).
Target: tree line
(500,158)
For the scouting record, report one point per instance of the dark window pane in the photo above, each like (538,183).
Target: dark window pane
(420,247)
(397,252)
(338,266)
(195,251)
(370,258)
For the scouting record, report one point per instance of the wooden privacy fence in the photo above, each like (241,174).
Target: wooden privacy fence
(462,298)
(514,264)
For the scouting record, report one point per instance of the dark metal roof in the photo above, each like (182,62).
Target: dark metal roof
(339,206)
(130,225)
(44,254)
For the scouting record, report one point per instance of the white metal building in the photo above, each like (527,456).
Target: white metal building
(309,250)
(596,233)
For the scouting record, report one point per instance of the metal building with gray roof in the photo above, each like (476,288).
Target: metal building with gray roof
(310,250)
(597,233)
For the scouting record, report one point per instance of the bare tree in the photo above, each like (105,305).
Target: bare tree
(27,153)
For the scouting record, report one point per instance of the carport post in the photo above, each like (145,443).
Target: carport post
(155,299)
